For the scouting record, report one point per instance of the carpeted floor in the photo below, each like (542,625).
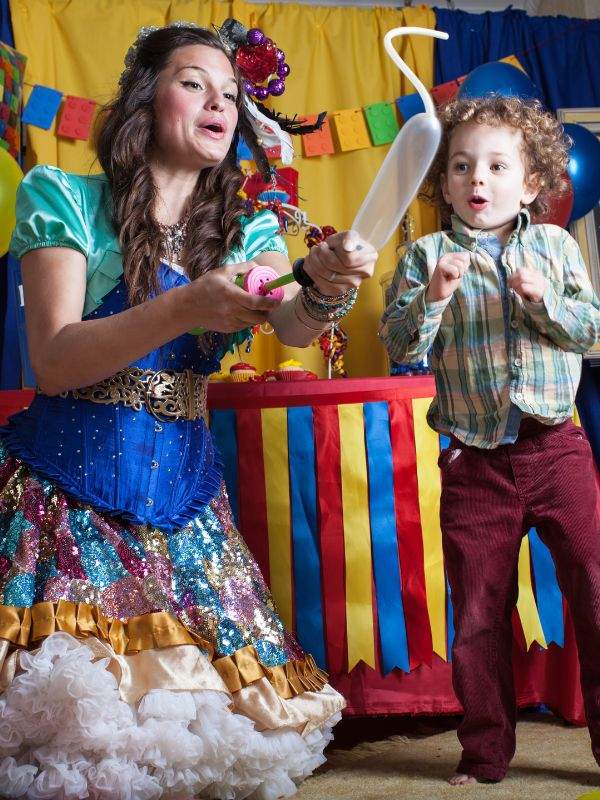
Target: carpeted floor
(553,762)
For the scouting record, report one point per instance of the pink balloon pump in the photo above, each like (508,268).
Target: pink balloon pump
(259,280)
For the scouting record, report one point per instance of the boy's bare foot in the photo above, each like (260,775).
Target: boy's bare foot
(460,779)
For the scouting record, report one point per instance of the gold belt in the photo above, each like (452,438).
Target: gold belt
(166,394)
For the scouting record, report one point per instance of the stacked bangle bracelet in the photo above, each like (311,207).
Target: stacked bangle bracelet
(302,321)
(323,308)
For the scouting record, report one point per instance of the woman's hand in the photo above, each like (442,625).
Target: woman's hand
(223,306)
(340,263)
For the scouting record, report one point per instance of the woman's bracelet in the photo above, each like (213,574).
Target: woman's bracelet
(300,275)
(302,321)
(318,306)
(326,308)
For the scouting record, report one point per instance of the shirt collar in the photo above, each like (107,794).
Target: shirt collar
(468,236)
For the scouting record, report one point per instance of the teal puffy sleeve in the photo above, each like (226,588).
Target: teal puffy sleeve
(261,235)
(49,214)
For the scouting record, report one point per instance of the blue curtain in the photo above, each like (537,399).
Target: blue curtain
(6,32)
(588,405)
(560,55)
(10,361)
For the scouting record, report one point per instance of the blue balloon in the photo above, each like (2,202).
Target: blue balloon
(583,169)
(497,77)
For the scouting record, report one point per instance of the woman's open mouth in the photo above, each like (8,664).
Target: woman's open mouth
(215,130)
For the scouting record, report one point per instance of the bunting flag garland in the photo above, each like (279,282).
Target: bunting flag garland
(42,107)
(76,118)
(350,130)
(410,105)
(318,143)
(382,122)
(345,130)
(445,92)
(339,502)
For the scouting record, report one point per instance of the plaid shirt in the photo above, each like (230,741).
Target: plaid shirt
(481,368)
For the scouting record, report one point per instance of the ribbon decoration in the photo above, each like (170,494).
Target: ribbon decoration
(339,503)
(357,537)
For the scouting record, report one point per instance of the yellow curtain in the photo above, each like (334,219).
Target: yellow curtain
(338,62)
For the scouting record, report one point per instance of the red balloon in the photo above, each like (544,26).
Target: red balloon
(560,207)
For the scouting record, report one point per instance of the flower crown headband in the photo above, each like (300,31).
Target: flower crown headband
(264,70)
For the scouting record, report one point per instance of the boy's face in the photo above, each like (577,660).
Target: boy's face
(486,183)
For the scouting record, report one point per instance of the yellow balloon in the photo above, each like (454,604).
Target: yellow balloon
(10,177)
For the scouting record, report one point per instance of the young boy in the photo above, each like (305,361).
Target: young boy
(508,309)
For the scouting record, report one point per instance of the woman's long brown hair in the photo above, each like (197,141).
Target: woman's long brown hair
(124,143)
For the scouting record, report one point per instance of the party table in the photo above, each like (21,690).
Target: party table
(336,488)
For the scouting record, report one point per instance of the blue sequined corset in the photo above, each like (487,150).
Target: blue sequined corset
(120,460)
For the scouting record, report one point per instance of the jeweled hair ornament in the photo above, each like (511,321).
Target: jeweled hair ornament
(264,70)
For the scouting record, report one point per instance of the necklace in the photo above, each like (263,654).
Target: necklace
(173,238)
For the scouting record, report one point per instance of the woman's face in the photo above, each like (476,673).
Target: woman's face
(195,108)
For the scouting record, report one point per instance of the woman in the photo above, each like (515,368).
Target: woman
(142,655)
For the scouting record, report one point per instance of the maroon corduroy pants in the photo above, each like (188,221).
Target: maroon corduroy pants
(490,498)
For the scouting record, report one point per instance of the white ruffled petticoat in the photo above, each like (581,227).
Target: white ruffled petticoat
(65,734)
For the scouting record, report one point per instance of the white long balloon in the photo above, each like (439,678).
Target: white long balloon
(407,161)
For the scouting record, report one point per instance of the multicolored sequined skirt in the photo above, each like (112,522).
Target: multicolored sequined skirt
(144,664)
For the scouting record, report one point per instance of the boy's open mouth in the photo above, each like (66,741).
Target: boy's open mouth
(477,202)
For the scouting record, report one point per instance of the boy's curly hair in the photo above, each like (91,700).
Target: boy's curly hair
(545,144)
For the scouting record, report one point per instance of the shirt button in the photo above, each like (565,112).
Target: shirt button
(172,355)
(517,362)
(158,428)
(154,464)
(149,501)
(514,324)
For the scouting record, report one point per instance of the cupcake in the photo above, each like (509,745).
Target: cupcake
(287,369)
(293,370)
(242,372)
(219,377)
